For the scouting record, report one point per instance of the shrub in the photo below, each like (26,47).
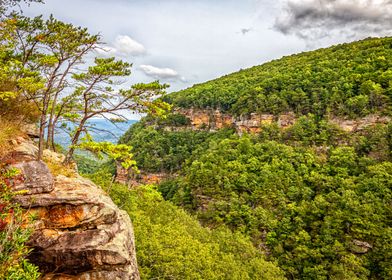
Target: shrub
(9,130)
(13,235)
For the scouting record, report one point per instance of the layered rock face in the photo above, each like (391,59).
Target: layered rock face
(360,124)
(79,232)
(214,119)
(127,177)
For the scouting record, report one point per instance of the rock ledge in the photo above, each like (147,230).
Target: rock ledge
(79,232)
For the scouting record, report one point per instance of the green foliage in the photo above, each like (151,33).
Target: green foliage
(312,197)
(347,80)
(374,141)
(308,130)
(118,152)
(170,244)
(13,234)
(174,119)
(158,150)
(305,209)
(14,79)
(86,164)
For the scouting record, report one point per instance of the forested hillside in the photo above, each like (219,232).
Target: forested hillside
(171,244)
(279,171)
(347,80)
(312,196)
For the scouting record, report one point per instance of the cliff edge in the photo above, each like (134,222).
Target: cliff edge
(79,233)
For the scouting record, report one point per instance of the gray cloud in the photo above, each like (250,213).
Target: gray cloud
(198,39)
(245,30)
(315,19)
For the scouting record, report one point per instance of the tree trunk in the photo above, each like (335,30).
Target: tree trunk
(49,141)
(52,138)
(51,130)
(74,142)
(42,125)
(71,150)
(41,143)
(51,124)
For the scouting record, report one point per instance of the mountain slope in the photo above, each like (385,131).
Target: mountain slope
(314,195)
(350,79)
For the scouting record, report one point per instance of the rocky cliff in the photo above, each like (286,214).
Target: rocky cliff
(214,120)
(79,233)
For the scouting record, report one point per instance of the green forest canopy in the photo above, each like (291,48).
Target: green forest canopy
(352,79)
(312,197)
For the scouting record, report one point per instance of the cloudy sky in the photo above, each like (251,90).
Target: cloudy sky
(183,42)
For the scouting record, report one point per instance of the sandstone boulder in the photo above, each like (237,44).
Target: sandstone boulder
(79,232)
(31,130)
(34,177)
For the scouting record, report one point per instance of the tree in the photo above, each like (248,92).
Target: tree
(51,55)
(14,78)
(94,96)
(51,49)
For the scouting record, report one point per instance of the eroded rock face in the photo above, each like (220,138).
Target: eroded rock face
(214,120)
(34,177)
(360,124)
(360,247)
(211,119)
(79,232)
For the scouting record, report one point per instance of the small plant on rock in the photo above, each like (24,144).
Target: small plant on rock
(13,233)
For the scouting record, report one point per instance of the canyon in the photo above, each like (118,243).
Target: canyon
(213,120)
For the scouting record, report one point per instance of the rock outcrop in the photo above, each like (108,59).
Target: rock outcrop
(127,177)
(79,232)
(360,247)
(214,119)
(361,123)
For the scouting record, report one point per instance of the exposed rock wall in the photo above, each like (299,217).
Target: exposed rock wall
(122,174)
(127,177)
(360,124)
(203,119)
(79,232)
(214,119)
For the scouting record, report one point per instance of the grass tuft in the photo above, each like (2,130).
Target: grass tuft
(9,131)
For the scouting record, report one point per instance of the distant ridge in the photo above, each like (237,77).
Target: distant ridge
(351,79)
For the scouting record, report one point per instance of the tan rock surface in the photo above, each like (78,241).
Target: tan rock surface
(79,232)
(360,124)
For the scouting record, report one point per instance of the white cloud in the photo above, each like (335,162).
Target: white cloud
(161,73)
(105,51)
(125,45)
(199,39)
